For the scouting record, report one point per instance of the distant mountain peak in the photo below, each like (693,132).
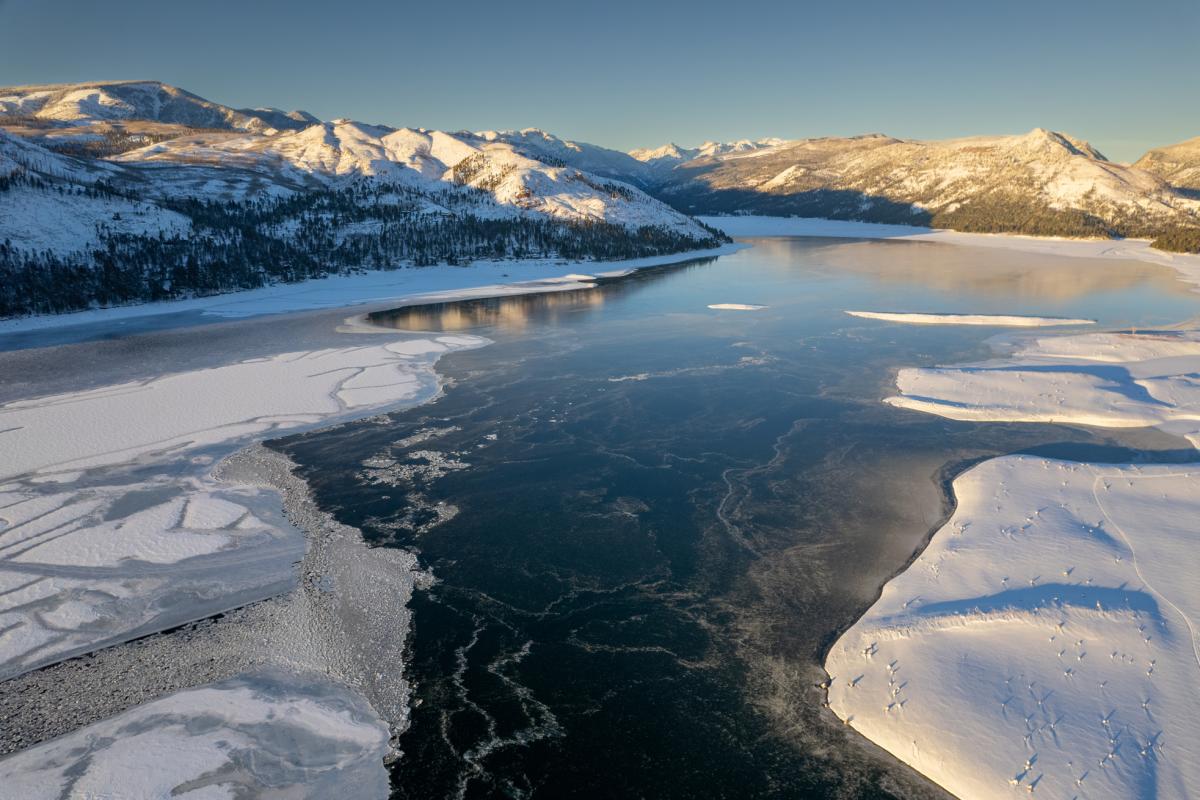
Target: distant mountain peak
(1043,137)
(671,153)
(1178,164)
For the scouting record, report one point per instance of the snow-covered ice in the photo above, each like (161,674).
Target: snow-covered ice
(996,320)
(269,734)
(1115,380)
(1048,639)
(257,397)
(111,526)
(102,562)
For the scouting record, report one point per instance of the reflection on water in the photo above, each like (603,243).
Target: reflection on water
(648,519)
(993,271)
(515,312)
(509,313)
(997,277)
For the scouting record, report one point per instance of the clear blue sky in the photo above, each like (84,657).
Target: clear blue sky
(1124,75)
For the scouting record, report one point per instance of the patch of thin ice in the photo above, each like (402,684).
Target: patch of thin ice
(102,567)
(233,738)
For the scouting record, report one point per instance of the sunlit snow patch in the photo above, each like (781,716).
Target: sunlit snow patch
(997,320)
(1114,380)
(1047,639)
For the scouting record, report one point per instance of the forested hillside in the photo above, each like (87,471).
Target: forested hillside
(134,192)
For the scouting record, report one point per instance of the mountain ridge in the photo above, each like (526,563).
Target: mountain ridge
(1040,182)
(127,192)
(173,194)
(143,100)
(1178,164)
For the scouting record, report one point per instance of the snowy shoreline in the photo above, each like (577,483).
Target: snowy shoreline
(120,517)
(403,286)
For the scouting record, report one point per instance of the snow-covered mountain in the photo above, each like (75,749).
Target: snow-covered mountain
(173,194)
(548,148)
(673,154)
(1040,182)
(503,167)
(207,150)
(146,176)
(147,101)
(1177,164)
(48,203)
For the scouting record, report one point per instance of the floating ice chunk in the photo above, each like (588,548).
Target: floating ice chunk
(998,320)
(735,307)
(206,511)
(1116,380)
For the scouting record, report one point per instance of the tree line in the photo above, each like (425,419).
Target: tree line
(247,244)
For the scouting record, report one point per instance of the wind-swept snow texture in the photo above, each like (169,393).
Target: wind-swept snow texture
(1048,639)
(267,734)
(995,320)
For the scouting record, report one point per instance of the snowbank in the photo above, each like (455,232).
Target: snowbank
(996,320)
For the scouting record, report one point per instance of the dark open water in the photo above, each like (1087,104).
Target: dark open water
(648,519)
